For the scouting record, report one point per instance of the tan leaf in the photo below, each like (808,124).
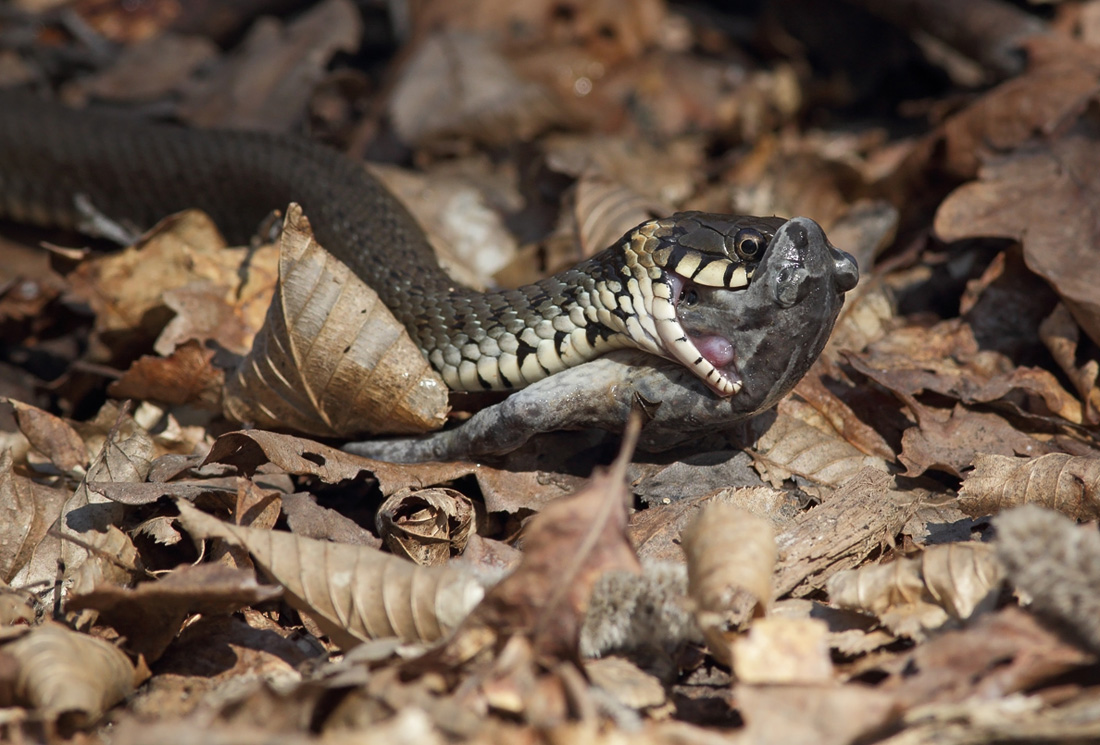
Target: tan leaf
(355,593)
(626,682)
(783,651)
(150,615)
(296,455)
(793,447)
(331,360)
(1067,483)
(1061,335)
(913,596)
(29,511)
(186,376)
(65,672)
(1039,195)
(730,558)
(817,714)
(427,526)
(51,435)
(605,210)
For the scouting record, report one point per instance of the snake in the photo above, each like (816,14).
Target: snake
(633,294)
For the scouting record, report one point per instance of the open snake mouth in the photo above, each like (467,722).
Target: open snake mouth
(711,356)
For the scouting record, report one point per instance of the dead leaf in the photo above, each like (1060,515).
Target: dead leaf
(1039,195)
(1067,483)
(457,83)
(267,83)
(355,593)
(1061,335)
(186,376)
(427,526)
(1061,76)
(626,682)
(52,436)
(331,360)
(30,509)
(306,518)
(821,715)
(793,447)
(783,651)
(150,615)
(999,654)
(912,596)
(62,673)
(655,531)
(730,559)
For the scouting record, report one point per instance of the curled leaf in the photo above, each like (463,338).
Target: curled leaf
(62,672)
(1067,483)
(426,526)
(355,593)
(331,360)
(912,596)
(731,555)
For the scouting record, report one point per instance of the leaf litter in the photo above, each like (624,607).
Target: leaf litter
(905,550)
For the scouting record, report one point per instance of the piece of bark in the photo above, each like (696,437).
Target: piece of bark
(861,516)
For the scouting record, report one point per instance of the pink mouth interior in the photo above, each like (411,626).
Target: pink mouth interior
(716,349)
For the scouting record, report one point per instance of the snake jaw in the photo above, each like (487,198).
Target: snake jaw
(713,358)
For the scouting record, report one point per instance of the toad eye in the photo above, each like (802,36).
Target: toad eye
(749,243)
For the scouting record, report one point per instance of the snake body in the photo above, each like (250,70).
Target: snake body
(630,295)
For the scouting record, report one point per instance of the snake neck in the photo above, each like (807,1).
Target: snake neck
(511,338)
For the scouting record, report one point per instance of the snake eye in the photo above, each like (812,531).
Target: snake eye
(689,296)
(749,243)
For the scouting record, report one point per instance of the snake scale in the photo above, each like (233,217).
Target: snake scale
(651,290)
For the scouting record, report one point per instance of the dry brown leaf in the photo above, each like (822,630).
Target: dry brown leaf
(626,682)
(355,593)
(64,673)
(950,440)
(186,376)
(126,289)
(793,447)
(566,548)
(151,69)
(150,615)
(251,449)
(655,532)
(730,558)
(1062,75)
(267,83)
(914,596)
(604,211)
(331,360)
(1040,195)
(427,526)
(51,435)
(821,715)
(999,654)
(458,83)
(1067,483)
(783,651)
(29,511)
(1061,335)
(306,518)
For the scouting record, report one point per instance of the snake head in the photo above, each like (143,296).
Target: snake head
(746,303)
